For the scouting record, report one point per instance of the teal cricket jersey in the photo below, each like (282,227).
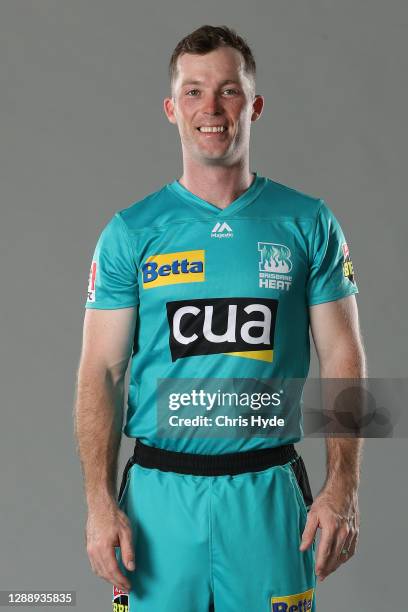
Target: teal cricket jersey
(220,293)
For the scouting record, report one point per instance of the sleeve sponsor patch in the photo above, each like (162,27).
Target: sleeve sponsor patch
(91,282)
(348,271)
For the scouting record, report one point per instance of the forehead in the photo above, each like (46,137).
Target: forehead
(221,64)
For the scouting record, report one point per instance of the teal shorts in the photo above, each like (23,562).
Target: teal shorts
(223,543)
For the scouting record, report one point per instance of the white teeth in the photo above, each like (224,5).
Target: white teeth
(219,128)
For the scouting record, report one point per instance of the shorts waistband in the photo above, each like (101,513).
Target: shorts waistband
(212,465)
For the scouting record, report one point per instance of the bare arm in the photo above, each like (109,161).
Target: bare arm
(336,334)
(98,415)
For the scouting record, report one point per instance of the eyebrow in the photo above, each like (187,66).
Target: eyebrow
(197,82)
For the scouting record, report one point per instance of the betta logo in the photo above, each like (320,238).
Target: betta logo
(241,327)
(120,600)
(302,602)
(173,268)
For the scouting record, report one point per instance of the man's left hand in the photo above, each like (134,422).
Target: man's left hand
(335,512)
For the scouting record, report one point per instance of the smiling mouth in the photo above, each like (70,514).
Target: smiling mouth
(219,129)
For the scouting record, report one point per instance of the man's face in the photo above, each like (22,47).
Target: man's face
(213,90)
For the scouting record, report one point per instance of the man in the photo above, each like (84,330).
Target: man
(216,275)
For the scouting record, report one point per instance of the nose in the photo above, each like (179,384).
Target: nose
(212,104)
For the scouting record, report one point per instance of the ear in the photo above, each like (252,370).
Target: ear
(168,107)
(257,107)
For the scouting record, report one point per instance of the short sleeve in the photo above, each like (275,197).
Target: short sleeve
(113,275)
(331,274)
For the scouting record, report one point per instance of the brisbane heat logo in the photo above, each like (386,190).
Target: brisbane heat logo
(242,327)
(274,266)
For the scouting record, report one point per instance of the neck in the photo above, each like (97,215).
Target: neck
(218,185)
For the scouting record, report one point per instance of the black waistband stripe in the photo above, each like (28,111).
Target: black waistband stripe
(211,465)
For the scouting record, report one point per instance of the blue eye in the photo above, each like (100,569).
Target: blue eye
(191,92)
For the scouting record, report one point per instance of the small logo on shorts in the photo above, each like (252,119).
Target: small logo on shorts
(301,602)
(120,600)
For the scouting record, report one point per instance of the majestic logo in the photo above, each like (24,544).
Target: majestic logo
(120,600)
(274,265)
(348,271)
(173,268)
(91,282)
(222,230)
(302,602)
(242,327)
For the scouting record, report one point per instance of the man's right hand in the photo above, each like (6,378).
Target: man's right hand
(108,527)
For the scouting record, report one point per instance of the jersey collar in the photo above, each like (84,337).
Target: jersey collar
(243,200)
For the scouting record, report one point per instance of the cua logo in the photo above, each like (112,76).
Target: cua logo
(242,327)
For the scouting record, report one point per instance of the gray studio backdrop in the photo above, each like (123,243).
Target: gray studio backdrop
(83,134)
